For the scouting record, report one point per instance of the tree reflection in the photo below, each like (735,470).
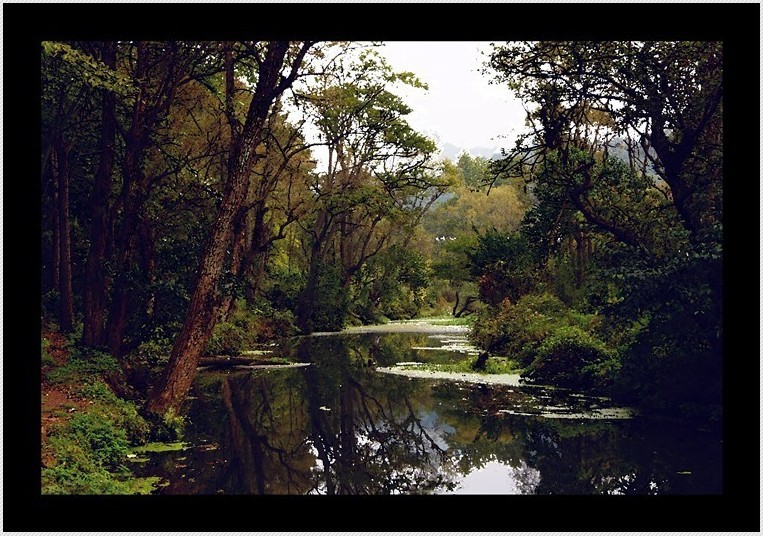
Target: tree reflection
(367,434)
(339,427)
(266,455)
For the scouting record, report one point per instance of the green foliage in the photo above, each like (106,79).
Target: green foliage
(286,285)
(122,413)
(160,447)
(555,344)
(83,364)
(674,362)
(505,265)
(494,365)
(229,338)
(331,299)
(156,349)
(474,170)
(45,357)
(90,71)
(87,449)
(572,357)
(391,285)
(82,457)
(76,472)
(106,441)
(517,330)
(246,327)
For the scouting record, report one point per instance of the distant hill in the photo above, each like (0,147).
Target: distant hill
(451,152)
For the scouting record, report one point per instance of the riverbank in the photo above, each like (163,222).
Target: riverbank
(86,429)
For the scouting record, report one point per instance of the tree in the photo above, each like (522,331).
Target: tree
(455,225)
(377,183)
(271,59)
(61,150)
(662,97)
(652,206)
(159,69)
(93,334)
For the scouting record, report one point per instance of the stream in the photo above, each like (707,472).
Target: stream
(352,422)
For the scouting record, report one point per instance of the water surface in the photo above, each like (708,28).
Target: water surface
(343,426)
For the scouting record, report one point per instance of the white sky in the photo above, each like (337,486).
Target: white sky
(460,107)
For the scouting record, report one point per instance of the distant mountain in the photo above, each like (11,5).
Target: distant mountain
(451,152)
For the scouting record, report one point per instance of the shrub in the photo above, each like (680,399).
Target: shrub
(246,328)
(45,356)
(107,442)
(229,339)
(331,300)
(122,413)
(155,351)
(167,427)
(555,344)
(76,472)
(571,357)
(516,330)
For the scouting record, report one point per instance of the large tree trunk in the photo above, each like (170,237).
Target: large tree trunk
(93,334)
(237,265)
(179,373)
(66,304)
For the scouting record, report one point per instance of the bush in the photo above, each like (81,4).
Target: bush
(516,330)
(155,351)
(123,414)
(331,300)
(90,449)
(107,442)
(571,357)
(555,344)
(76,472)
(229,339)
(246,328)
(45,357)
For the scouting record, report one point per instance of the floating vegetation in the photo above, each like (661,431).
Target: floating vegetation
(161,447)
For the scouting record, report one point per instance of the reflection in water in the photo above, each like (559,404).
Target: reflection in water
(339,427)
(498,478)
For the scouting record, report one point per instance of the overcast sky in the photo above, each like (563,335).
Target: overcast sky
(460,107)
